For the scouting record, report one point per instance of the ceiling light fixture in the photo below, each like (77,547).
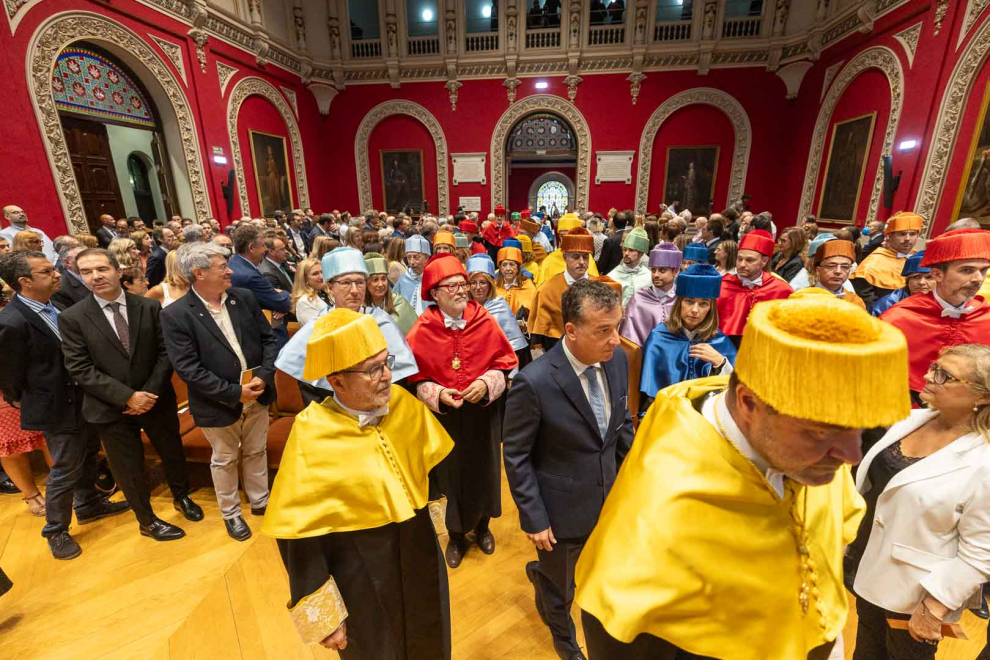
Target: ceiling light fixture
(907,145)
(486,11)
(427,15)
(542,84)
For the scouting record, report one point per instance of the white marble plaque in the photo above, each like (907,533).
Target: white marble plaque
(470,204)
(469,168)
(614,166)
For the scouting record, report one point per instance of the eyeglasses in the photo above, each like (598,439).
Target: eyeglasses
(454,288)
(480,284)
(350,284)
(842,268)
(376,371)
(940,376)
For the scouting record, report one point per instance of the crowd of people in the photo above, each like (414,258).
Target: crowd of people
(835,386)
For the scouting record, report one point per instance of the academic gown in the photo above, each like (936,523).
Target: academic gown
(409,286)
(705,557)
(554,265)
(519,296)
(471,475)
(888,301)
(403,313)
(292,358)
(646,310)
(920,318)
(350,514)
(499,308)
(546,319)
(666,360)
(631,279)
(878,275)
(737,301)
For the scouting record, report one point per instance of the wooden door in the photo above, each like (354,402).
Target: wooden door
(92,162)
(165,183)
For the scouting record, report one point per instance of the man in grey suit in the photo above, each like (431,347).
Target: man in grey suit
(566,430)
(72,289)
(108,231)
(274,266)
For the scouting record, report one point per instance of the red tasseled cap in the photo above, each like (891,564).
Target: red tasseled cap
(438,268)
(469,227)
(499,210)
(956,245)
(524,213)
(758,240)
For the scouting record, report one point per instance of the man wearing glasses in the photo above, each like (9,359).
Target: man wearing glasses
(952,313)
(346,274)
(349,506)
(833,263)
(222,346)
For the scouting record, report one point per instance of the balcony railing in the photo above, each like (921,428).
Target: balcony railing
(672,31)
(482,41)
(366,48)
(738,28)
(543,38)
(606,35)
(424,45)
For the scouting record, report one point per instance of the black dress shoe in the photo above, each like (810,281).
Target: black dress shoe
(260,511)
(162,531)
(568,651)
(189,509)
(63,546)
(101,509)
(532,568)
(237,528)
(454,554)
(982,611)
(486,541)
(7,487)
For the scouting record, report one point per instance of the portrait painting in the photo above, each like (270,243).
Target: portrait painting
(402,179)
(271,172)
(689,178)
(973,199)
(845,169)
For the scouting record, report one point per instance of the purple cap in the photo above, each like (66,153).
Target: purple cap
(665,255)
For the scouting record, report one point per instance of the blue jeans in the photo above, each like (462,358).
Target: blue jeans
(71,481)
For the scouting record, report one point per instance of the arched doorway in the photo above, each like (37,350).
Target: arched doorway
(114,136)
(541,151)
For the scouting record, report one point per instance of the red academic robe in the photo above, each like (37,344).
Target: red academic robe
(920,318)
(736,301)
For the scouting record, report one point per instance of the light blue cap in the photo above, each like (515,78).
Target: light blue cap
(417,243)
(817,242)
(341,261)
(481,263)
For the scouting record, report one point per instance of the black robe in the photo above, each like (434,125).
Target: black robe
(393,581)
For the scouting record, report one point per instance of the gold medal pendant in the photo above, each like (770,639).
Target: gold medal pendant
(456,363)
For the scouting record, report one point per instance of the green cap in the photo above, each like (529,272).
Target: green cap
(515,216)
(377,265)
(637,240)
(462,241)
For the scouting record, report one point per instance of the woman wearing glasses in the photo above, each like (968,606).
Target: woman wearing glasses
(923,548)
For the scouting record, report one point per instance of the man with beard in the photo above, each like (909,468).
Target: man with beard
(953,313)
(750,284)
(349,505)
(651,306)
(418,250)
(631,273)
(880,273)
(464,360)
(731,545)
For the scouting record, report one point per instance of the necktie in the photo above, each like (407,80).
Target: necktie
(957,313)
(52,313)
(749,284)
(455,324)
(121,324)
(597,399)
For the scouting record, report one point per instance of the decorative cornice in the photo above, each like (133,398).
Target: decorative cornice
(527,106)
(909,40)
(363,137)
(224,74)
(878,57)
(244,88)
(48,40)
(174,54)
(707,96)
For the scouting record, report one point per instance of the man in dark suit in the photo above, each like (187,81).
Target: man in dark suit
(611,255)
(250,251)
(115,351)
(156,260)
(222,346)
(108,231)
(33,378)
(324,227)
(712,234)
(296,234)
(566,431)
(274,266)
(71,287)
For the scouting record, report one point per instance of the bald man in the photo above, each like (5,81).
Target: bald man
(107,231)
(18,221)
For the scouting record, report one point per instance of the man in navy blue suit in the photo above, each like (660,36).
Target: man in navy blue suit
(250,249)
(566,430)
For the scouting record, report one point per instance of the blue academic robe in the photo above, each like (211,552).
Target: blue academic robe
(410,287)
(499,308)
(888,301)
(666,360)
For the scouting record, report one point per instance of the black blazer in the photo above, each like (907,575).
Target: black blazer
(611,255)
(70,291)
(207,363)
(711,251)
(277,276)
(109,375)
(155,271)
(33,373)
(105,236)
(558,466)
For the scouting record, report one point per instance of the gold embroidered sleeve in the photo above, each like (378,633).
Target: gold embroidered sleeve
(319,614)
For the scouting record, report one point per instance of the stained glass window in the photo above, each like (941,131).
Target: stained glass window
(86,83)
(553,195)
(541,133)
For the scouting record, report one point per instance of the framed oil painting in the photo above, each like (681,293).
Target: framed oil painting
(973,199)
(845,169)
(402,179)
(689,177)
(271,172)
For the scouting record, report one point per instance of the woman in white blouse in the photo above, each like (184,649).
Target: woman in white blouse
(309,298)
(925,540)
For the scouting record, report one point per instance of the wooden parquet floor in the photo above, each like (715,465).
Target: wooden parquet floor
(208,597)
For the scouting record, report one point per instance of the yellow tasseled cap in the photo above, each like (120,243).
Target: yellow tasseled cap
(568,221)
(821,359)
(341,338)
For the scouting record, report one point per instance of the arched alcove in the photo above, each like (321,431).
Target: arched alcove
(538,183)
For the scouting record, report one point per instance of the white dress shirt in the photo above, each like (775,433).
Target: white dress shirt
(454,323)
(950,310)
(579,369)
(570,280)
(732,433)
(364,417)
(222,318)
(108,312)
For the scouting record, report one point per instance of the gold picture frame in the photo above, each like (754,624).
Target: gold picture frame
(705,153)
(276,192)
(414,178)
(842,197)
(967,188)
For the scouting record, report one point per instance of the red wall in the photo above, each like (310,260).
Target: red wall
(401,132)
(521,180)
(258,114)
